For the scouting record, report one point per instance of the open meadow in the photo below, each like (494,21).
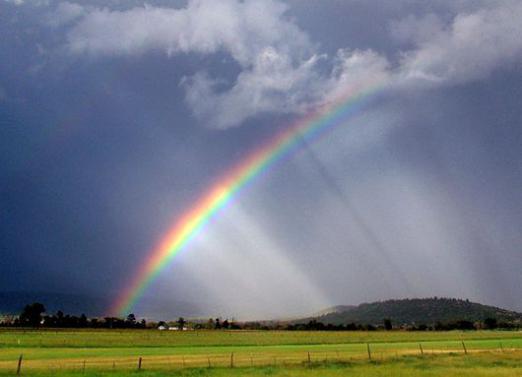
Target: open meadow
(277,353)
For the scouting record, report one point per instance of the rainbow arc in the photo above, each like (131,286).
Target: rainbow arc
(216,198)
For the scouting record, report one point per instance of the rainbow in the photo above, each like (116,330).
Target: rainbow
(225,189)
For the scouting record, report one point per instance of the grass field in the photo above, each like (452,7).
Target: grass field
(278,353)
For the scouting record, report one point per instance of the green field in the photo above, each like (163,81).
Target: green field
(278,353)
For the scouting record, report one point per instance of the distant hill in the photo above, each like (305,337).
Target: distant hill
(415,311)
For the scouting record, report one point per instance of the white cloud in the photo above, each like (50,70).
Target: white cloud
(356,70)
(240,28)
(272,84)
(32,3)
(469,48)
(15,2)
(281,70)
(275,85)
(276,57)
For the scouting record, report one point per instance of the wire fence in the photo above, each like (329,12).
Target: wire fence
(243,358)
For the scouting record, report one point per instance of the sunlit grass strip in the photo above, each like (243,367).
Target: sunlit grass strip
(445,360)
(13,339)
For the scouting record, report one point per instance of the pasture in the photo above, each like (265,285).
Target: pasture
(277,353)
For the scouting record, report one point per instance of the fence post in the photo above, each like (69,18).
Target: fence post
(139,363)
(369,351)
(208,358)
(19,368)
(232,360)
(309,359)
(421,350)
(83,367)
(464,346)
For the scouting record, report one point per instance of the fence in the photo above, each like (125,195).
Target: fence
(284,356)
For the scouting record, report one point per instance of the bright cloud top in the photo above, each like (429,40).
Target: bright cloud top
(281,70)
(469,48)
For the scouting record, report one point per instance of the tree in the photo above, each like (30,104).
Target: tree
(109,322)
(131,320)
(490,323)
(181,323)
(387,324)
(83,321)
(59,318)
(32,315)
(464,325)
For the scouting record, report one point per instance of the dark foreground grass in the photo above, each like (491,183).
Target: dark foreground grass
(484,364)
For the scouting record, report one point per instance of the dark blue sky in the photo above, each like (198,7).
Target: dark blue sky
(115,118)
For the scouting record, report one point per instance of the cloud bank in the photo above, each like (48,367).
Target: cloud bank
(102,106)
(469,48)
(281,70)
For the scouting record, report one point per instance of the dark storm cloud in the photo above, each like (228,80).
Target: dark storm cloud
(107,133)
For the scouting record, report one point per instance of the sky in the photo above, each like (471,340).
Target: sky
(117,116)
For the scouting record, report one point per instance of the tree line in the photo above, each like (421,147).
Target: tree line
(34,315)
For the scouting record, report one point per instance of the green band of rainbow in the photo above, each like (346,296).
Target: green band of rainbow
(221,193)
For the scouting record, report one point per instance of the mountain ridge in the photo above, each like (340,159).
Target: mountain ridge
(415,311)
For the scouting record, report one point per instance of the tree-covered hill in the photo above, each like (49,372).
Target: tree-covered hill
(418,311)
